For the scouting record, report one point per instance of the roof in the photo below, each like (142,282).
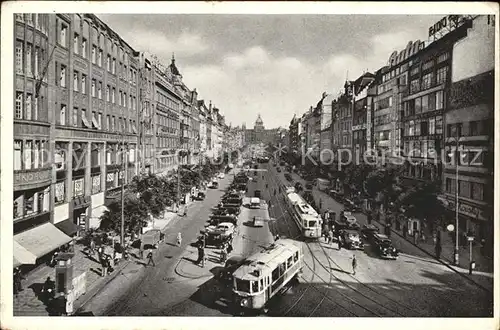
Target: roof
(267,259)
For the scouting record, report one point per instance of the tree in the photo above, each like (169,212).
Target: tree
(356,175)
(135,215)
(422,202)
(151,190)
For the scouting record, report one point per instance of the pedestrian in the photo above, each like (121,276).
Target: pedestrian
(330,237)
(104,267)
(438,250)
(405,230)
(185,211)
(270,204)
(223,254)
(415,237)
(422,235)
(150,258)
(339,241)
(354,264)
(179,239)
(277,237)
(18,287)
(483,246)
(325,232)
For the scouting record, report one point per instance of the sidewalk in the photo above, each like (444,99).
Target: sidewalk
(29,301)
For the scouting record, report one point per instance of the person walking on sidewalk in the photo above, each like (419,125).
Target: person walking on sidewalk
(185,211)
(104,266)
(415,237)
(179,239)
(150,258)
(354,264)
(438,249)
(18,287)
(201,255)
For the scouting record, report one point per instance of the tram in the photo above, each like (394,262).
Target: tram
(308,220)
(262,275)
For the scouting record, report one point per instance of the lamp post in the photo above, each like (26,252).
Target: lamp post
(456,159)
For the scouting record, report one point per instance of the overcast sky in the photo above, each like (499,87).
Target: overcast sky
(275,65)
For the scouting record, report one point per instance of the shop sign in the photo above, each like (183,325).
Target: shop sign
(450,22)
(468,210)
(34,177)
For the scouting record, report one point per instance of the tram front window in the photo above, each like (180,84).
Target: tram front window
(255,286)
(243,285)
(312,224)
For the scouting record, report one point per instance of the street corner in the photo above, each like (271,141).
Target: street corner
(188,268)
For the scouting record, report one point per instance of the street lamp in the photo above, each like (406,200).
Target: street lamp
(456,159)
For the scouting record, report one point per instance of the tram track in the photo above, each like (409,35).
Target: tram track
(313,269)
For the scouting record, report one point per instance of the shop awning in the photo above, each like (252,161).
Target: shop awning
(22,256)
(42,239)
(68,227)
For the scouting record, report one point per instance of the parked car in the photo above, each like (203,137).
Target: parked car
(351,206)
(221,175)
(225,229)
(258,221)
(349,220)
(368,231)
(278,169)
(216,219)
(350,239)
(298,186)
(383,245)
(309,186)
(257,193)
(288,177)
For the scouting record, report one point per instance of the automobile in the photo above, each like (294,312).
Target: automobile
(232,202)
(257,193)
(254,203)
(221,176)
(288,177)
(298,186)
(383,245)
(215,236)
(256,167)
(350,220)
(233,263)
(308,196)
(200,196)
(351,206)
(216,219)
(258,221)
(225,229)
(226,210)
(351,240)
(309,186)
(368,231)
(278,169)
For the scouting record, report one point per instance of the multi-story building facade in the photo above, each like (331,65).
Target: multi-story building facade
(469,123)
(345,117)
(203,110)
(75,125)
(168,105)
(423,105)
(293,137)
(146,114)
(325,107)
(363,91)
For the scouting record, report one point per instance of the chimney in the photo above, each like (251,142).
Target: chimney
(210,106)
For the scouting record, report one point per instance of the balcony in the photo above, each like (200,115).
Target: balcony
(31,179)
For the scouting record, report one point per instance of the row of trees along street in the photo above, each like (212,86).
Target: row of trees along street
(150,195)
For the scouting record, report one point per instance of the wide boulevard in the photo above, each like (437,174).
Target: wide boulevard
(412,285)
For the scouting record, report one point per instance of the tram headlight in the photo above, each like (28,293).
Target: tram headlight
(244,302)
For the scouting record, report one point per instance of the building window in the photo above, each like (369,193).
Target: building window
(425,103)
(84,48)
(427,81)
(432,126)
(35,109)
(477,191)
(18,155)
(108,122)
(19,105)
(96,184)
(99,90)
(107,93)
(439,100)
(36,154)
(99,58)
(108,63)
(62,115)
(464,189)
(75,117)
(28,150)
(63,35)
(441,75)
(78,187)
(113,94)
(93,88)
(443,57)
(427,65)
(75,44)
(414,86)
(60,189)
(28,106)
(84,84)
(418,105)
(439,125)
(94,54)
(28,59)
(19,57)
(113,66)
(36,60)
(75,81)
(62,76)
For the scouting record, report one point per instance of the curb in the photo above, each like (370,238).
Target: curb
(100,287)
(441,261)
